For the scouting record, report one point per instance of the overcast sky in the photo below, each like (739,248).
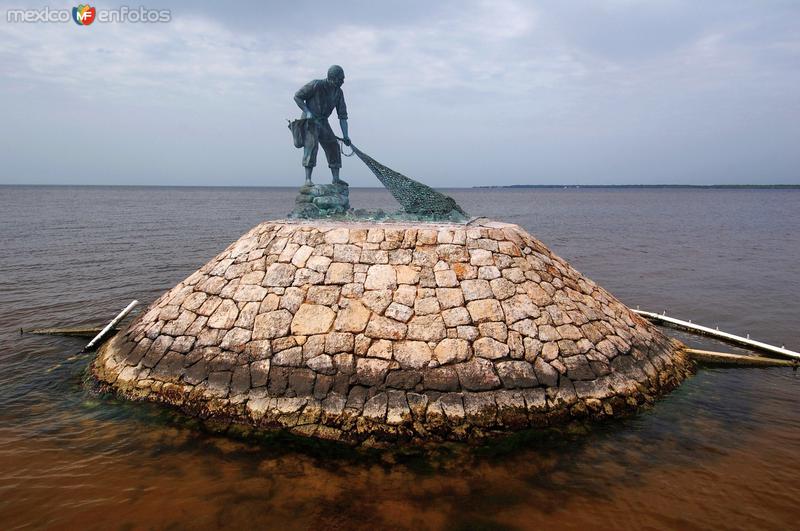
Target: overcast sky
(451,93)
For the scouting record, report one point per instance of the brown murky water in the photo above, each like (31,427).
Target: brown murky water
(720,452)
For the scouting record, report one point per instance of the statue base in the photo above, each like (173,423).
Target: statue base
(321,201)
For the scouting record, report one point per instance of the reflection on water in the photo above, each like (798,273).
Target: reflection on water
(721,451)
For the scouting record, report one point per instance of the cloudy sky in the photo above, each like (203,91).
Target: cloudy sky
(452,93)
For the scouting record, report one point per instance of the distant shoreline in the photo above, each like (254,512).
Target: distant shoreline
(710,186)
(498,187)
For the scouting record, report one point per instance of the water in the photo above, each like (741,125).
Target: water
(720,452)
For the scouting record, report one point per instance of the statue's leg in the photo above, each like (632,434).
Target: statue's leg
(332,151)
(310,148)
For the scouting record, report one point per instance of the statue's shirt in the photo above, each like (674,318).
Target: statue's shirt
(322,97)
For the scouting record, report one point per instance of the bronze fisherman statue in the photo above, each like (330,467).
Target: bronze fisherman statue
(317,99)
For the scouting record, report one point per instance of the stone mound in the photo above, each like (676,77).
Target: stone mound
(363,332)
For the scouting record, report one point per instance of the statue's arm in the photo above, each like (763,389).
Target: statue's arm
(303,107)
(301,96)
(341,111)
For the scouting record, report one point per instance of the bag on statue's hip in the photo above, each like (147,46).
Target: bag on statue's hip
(298,129)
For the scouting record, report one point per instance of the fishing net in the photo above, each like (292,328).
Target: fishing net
(415,197)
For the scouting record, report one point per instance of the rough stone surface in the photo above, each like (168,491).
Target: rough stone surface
(366,332)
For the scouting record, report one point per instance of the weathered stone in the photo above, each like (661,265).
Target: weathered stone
(480,409)
(446,278)
(399,312)
(301,382)
(405,295)
(380,348)
(339,235)
(578,368)
(209,306)
(270,303)
(194,301)
(224,316)
(412,354)
(307,277)
(519,307)
(183,344)
(426,306)
(515,374)
(384,328)
(569,331)
(548,333)
(326,295)
(488,272)
(302,255)
(179,326)
(247,315)
(397,410)
(381,277)
(450,297)
(452,351)
(441,379)
(489,348)
(249,293)
(375,408)
(503,288)
(312,319)
(346,253)
(279,274)
(407,274)
(318,263)
(568,348)
(377,300)
(477,375)
(480,257)
(282,343)
(374,256)
(456,316)
(353,316)
(259,371)
(235,339)
(314,346)
(545,374)
(292,299)
(426,328)
(476,289)
(219,383)
(339,273)
(485,310)
(272,324)
(403,379)
(339,342)
(495,330)
(291,357)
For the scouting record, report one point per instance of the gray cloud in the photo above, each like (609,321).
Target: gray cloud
(458,94)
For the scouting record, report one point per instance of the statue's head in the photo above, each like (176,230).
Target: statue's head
(336,75)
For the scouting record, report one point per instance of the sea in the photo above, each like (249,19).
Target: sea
(719,452)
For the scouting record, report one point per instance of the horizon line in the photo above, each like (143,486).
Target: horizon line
(501,186)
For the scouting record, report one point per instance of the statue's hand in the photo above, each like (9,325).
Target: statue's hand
(308,114)
(346,141)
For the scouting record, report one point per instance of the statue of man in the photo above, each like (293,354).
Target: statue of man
(317,99)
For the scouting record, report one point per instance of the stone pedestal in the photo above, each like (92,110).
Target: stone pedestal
(366,332)
(321,201)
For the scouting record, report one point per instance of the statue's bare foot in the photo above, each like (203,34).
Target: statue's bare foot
(337,180)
